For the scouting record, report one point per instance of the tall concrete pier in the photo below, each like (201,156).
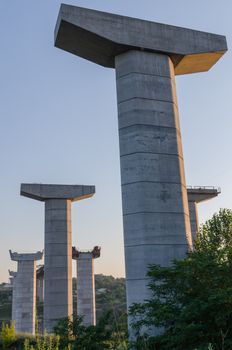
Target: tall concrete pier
(40,283)
(146,56)
(13,275)
(24,292)
(86,306)
(197,195)
(58,245)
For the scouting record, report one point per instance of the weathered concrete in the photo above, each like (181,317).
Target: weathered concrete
(86,306)
(197,195)
(24,292)
(146,57)
(58,246)
(40,283)
(13,275)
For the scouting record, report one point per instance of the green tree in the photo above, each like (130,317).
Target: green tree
(192,299)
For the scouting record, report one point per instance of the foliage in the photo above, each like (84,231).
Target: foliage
(7,335)
(105,335)
(43,343)
(5,304)
(191,301)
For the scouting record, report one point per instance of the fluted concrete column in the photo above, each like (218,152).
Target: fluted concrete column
(86,305)
(58,246)
(24,292)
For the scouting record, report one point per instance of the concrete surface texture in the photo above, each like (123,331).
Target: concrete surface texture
(24,292)
(86,305)
(198,194)
(58,246)
(146,56)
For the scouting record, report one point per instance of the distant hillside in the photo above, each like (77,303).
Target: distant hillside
(110,295)
(5,303)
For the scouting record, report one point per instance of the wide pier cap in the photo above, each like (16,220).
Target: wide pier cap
(26,257)
(43,192)
(201,194)
(99,37)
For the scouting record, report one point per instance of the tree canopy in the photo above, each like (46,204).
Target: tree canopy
(192,299)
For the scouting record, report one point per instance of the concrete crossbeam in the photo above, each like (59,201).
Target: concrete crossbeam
(24,292)
(100,37)
(58,246)
(86,305)
(42,192)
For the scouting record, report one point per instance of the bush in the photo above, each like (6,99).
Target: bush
(7,335)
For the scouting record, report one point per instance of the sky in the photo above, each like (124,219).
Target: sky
(58,123)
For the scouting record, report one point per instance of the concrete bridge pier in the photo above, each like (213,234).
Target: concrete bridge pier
(86,305)
(24,292)
(58,246)
(196,195)
(12,278)
(146,56)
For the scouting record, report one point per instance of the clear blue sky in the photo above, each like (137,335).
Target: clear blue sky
(59,123)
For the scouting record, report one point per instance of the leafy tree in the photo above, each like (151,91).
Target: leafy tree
(192,300)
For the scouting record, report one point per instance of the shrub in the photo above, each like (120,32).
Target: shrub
(7,335)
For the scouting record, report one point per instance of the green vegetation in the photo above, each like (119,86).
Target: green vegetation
(5,303)
(7,335)
(192,300)
(105,335)
(43,343)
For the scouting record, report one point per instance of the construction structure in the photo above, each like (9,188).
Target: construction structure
(24,292)
(146,56)
(196,195)
(12,278)
(58,245)
(86,305)
(40,283)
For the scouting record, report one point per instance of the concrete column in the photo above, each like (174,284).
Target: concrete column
(40,283)
(13,275)
(58,246)
(194,221)
(154,196)
(24,292)
(86,305)
(197,195)
(146,56)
